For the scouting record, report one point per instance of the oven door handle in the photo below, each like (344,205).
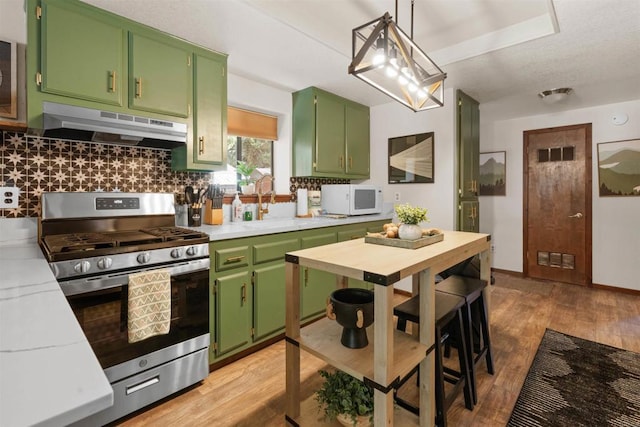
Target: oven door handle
(108,281)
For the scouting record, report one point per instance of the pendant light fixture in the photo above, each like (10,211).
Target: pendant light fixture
(387,59)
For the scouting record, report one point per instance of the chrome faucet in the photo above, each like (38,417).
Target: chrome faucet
(259,185)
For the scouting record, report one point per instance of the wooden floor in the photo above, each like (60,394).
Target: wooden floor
(250,392)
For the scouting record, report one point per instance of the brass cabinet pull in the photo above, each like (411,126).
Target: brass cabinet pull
(350,162)
(234,259)
(243,294)
(306,276)
(138,87)
(112,75)
(201,145)
(341,161)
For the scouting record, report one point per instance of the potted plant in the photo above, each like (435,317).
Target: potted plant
(410,216)
(246,169)
(346,399)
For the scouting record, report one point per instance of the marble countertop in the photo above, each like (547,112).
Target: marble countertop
(237,230)
(48,373)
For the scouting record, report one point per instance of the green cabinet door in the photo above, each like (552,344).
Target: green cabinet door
(468,122)
(268,300)
(316,285)
(159,76)
(82,54)
(330,135)
(357,140)
(210,122)
(233,311)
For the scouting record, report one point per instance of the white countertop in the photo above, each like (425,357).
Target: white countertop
(48,372)
(237,230)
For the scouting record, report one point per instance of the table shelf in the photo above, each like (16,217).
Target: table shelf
(322,339)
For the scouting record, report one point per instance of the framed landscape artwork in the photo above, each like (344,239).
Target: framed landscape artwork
(493,173)
(411,159)
(619,168)
(8,83)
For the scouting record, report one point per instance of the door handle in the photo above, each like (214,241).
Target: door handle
(576,215)
(138,82)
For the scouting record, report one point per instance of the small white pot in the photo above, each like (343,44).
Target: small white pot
(248,189)
(410,231)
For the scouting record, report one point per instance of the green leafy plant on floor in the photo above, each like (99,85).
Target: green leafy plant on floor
(343,394)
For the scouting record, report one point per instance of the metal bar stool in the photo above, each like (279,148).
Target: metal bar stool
(449,321)
(478,337)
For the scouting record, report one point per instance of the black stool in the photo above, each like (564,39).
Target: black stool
(449,321)
(478,338)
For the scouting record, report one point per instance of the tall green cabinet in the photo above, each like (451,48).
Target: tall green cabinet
(468,124)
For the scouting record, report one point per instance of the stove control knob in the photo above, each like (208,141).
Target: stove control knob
(177,253)
(144,258)
(82,267)
(104,263)
(192,250)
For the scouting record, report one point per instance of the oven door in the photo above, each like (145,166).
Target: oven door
(101,305)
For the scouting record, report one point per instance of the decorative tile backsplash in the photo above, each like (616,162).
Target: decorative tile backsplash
(35,165)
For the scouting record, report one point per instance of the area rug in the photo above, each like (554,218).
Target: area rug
(576,382)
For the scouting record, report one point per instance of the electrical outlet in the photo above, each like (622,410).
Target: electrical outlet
(396,197)
(493,248)
(9,197)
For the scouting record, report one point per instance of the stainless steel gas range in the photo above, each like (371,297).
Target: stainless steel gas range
(93,242)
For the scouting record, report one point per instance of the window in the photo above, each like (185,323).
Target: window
(250,140)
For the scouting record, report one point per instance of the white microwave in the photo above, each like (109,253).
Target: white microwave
(351,199)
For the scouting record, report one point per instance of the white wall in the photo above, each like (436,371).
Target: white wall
(616,233)
(251,95)
(392,120)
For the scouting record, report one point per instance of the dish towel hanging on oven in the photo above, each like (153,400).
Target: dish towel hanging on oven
(149,304)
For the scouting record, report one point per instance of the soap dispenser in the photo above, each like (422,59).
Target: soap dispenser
(236,209)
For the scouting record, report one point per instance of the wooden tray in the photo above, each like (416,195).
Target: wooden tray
(402,243)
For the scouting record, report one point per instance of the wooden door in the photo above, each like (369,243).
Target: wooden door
(557,204)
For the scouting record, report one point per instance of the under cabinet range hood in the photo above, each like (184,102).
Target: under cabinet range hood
(87,124)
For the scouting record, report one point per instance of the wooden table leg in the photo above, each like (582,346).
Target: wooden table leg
(426,284)
(292,272)
(383,354)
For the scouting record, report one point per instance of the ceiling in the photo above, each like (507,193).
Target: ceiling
(500,52)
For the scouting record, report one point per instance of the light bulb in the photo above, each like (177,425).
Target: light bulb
(402,80)
(391,71)
(378,58)
(412,87)
(422,93)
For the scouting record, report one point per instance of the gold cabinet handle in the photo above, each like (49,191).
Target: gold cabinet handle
(233,259)
(112,86)
(350,162)
(306,276)
(243,294)
(138,87)
(201,145)
(341,161)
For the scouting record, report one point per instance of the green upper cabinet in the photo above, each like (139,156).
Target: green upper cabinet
(159,76)
(69,36)
(208,149)
(330,136)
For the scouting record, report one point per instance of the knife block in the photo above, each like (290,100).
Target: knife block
(212,216)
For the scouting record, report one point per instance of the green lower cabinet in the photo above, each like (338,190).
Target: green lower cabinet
(268,300)
(315,285)
(232,312)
